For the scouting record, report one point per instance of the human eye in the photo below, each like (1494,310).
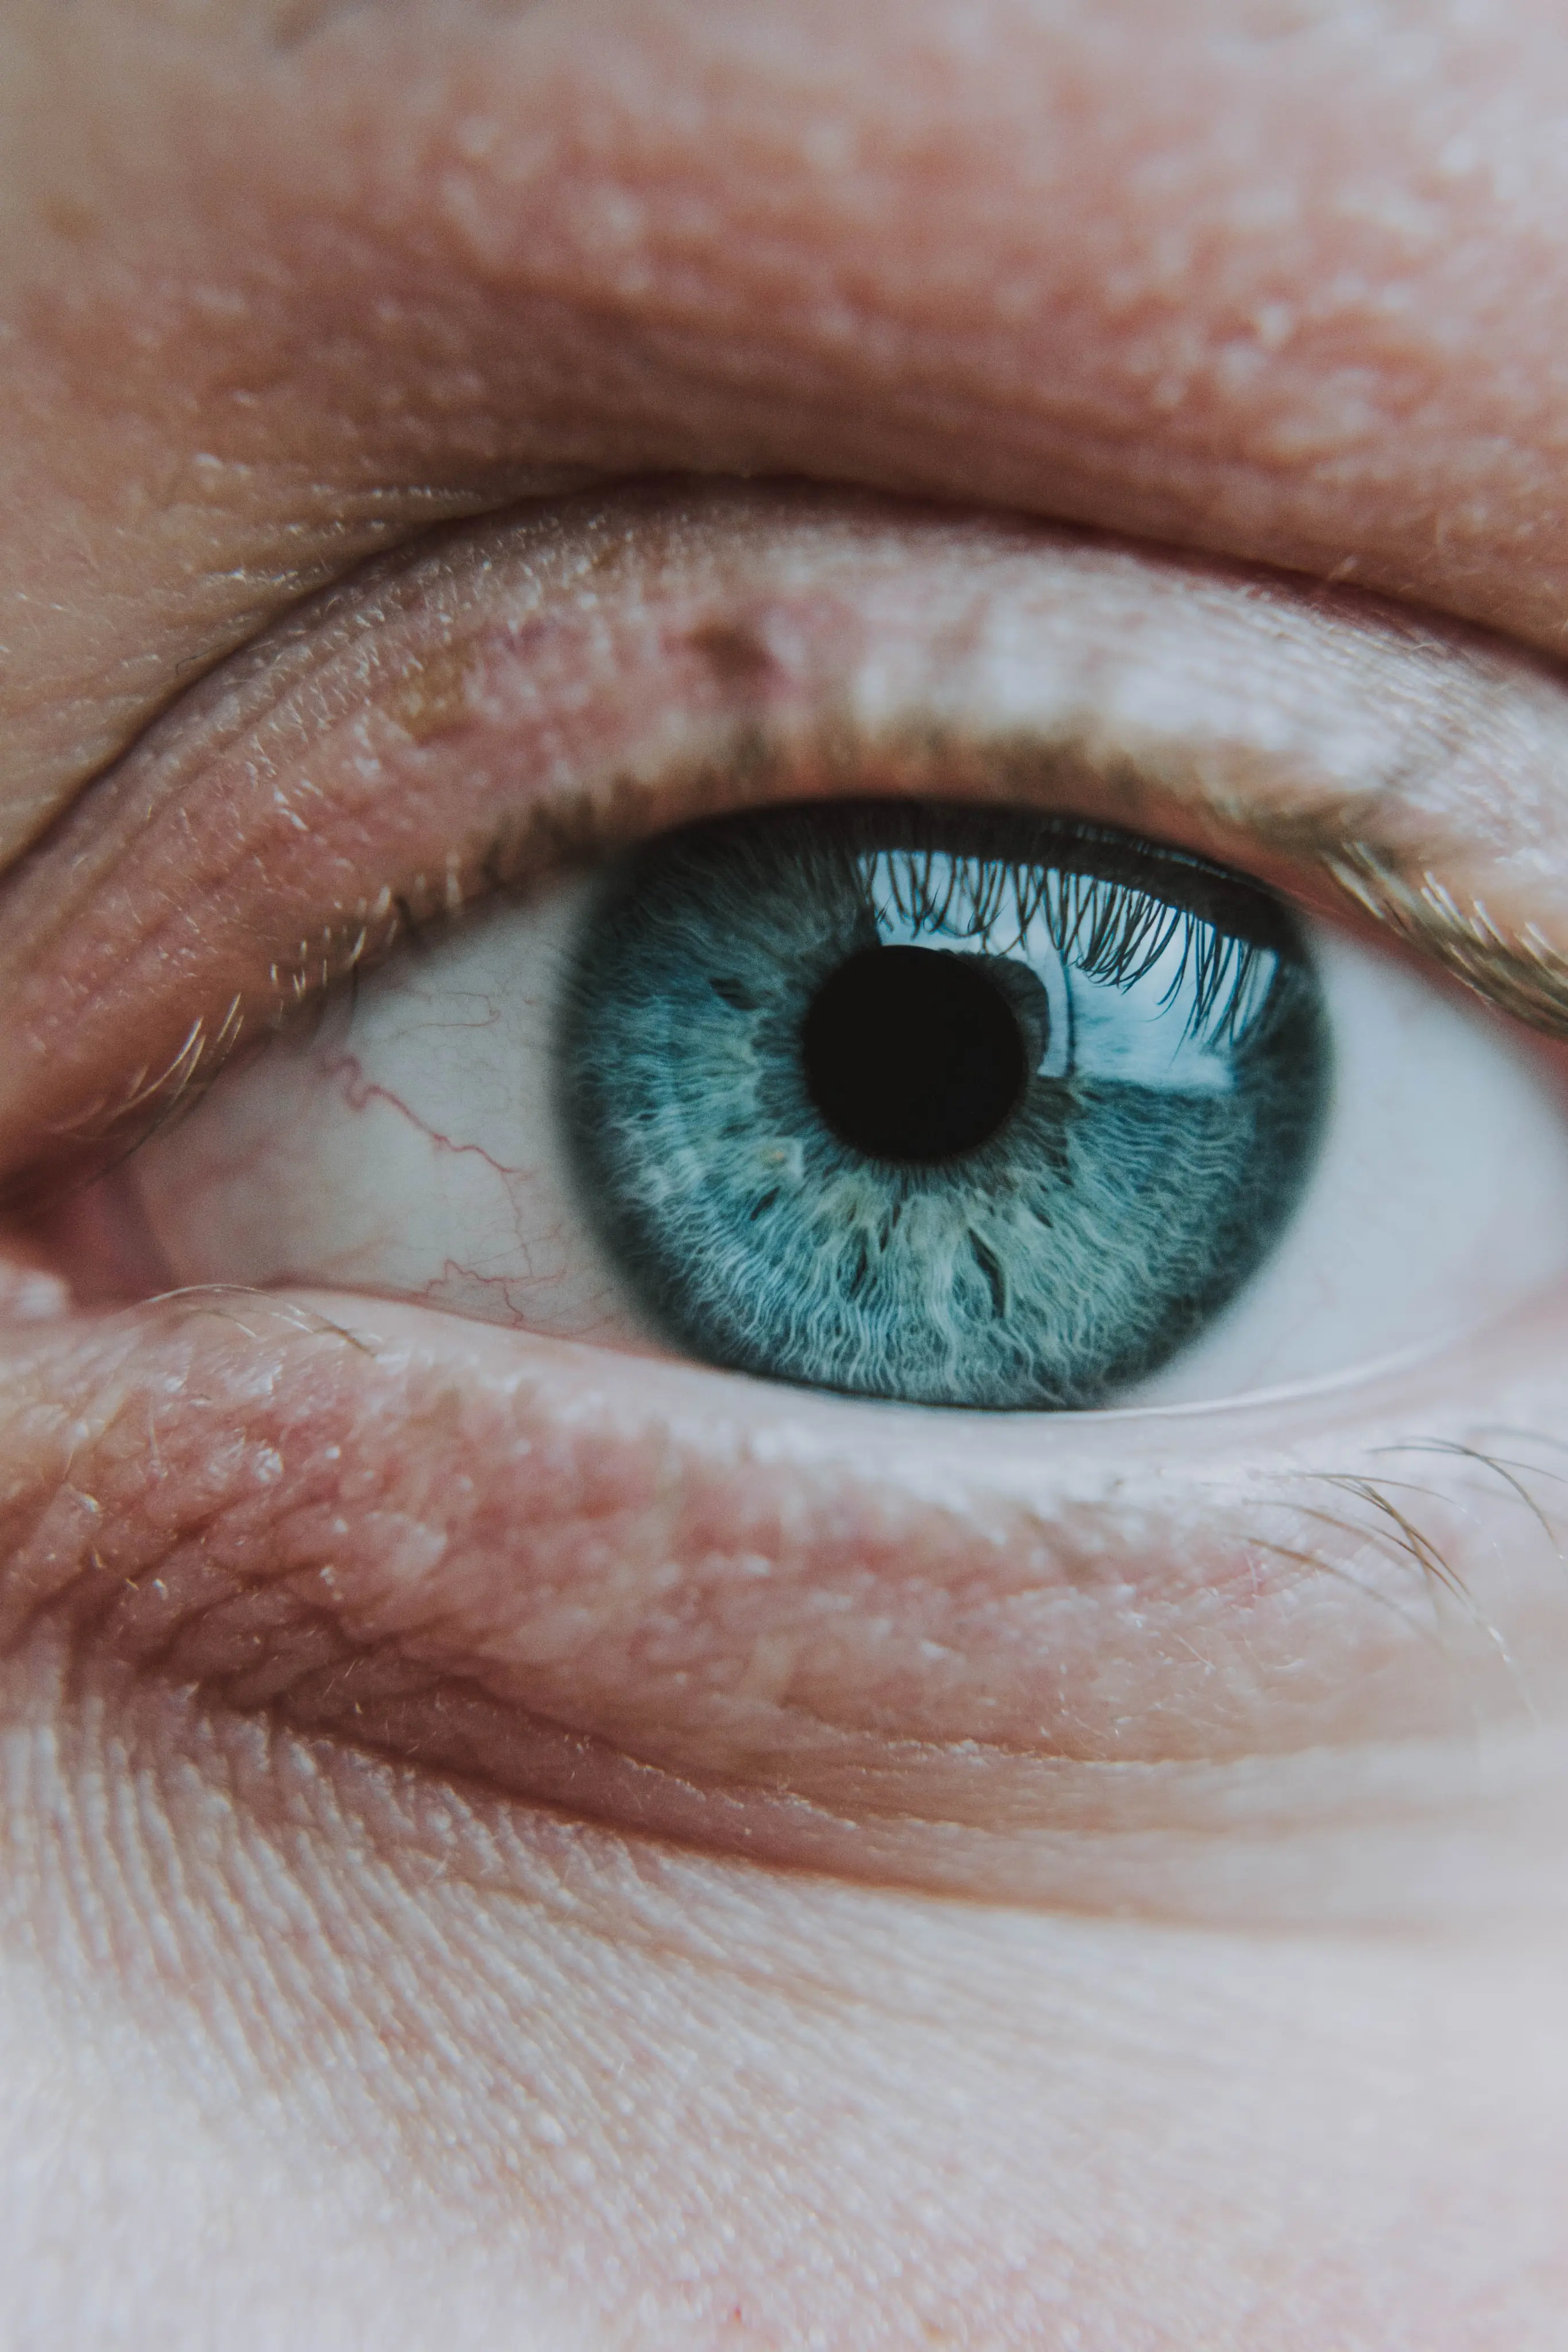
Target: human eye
(928,967)
(947,1105)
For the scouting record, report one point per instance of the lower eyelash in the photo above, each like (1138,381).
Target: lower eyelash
(1393,1531)
(157,1553)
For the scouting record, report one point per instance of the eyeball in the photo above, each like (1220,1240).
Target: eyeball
(942,1106)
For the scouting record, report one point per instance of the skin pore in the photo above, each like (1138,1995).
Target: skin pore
(355,1984)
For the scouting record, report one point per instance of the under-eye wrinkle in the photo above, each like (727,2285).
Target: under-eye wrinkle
(951,1106)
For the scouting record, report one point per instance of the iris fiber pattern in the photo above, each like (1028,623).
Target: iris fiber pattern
(947,1105)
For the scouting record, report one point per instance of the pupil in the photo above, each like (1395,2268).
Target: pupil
(913,1054)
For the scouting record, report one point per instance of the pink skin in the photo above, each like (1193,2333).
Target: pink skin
(356,1651)
(472,1547)
(1273,279)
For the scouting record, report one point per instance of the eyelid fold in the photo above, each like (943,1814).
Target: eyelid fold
(527,693)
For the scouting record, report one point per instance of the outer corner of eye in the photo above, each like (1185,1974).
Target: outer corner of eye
(936,1105)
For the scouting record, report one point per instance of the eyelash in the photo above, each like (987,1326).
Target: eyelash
(1524,978)
(1093,912)
(527,851)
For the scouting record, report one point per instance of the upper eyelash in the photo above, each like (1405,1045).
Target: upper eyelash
(1525,977)
(1105,924)
(1110,930)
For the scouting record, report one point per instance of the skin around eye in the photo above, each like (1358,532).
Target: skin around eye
(304,2046)
(590,1115)
(447,1505)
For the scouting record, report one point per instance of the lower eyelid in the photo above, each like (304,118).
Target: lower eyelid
(507,1556)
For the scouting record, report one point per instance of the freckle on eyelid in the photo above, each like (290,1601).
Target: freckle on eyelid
(431,696)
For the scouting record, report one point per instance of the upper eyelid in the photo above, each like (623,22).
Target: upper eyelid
(1389,837)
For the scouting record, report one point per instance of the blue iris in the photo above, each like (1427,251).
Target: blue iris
(955,1106)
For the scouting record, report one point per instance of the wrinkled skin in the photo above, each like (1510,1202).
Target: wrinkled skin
(355,1987)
